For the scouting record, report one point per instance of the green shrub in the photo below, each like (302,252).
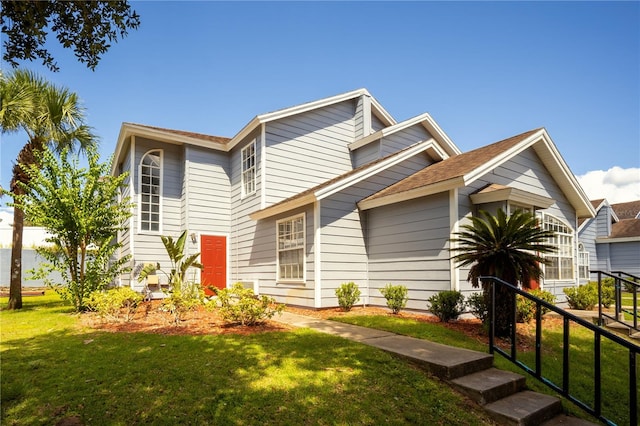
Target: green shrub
(447,305)
(478,306)
(181,299)
(608,291)
(119,304)
(584,297)
(396,295)
(348,295)
(526,308)
(239,305)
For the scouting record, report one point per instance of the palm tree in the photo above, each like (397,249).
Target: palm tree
(50,116)
(507,247)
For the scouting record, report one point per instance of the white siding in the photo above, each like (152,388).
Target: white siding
(344,250)
(408,246)
(209,191)
(308,149)
(402,139)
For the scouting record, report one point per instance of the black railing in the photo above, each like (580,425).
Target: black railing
(628,281)
(594,409)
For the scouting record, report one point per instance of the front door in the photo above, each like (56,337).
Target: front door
(213,254)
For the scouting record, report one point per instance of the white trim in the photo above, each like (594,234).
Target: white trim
(134,207)
(186,187)
(317,255)
(366,115)
(604,240)
(346,182)
(309,106)
(514,195)
(160,195)
(427,122)
(454,227)
(243,193)
(370,171)
(304,250)
(263,167)
(422,191)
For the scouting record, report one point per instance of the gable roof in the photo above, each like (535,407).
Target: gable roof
(628,210)
(625,230)
(349,178)
(165,135)
(376,108)
(463,169)
(423,119)
(597,205)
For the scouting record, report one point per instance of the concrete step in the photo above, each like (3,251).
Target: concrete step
(489,385)
(525,408)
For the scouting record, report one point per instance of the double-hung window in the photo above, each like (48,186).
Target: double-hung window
(249,169)
(291,243)
(149,189)
(561,261)
(583,262)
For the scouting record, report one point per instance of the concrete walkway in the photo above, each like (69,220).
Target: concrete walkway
(502,393)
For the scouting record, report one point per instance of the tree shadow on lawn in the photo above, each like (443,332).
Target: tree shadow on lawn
(300,377)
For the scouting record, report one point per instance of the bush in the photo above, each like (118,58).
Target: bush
(348,295)
(396,295)
(239,305)
(447,305)
(526,308)
(116,304)
(478,306)
(584,297)
(182,299)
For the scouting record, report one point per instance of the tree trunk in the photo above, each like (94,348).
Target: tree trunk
(505,307)
(26,157)
(15,286)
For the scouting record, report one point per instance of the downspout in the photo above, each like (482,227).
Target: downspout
(317,254)
(263,166)
(133,174)
(454,226)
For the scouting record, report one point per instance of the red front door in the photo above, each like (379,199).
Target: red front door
(213,254)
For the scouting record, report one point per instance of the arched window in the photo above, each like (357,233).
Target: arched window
(561,266)
(150,189)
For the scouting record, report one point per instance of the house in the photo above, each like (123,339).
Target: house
(611,240)
(303,199)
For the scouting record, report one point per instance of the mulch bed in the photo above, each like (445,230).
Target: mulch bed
(150,319)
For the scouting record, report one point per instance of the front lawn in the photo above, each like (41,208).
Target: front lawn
(55,370)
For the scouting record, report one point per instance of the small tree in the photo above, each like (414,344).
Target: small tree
(76,206)
(507,247)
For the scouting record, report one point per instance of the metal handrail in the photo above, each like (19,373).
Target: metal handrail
(618,308)
(563,389)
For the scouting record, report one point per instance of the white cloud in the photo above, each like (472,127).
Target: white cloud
(617,185)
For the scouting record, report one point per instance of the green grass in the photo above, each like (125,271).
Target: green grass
(615,360)
(52,368)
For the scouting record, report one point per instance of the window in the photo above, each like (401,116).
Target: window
(561,266)
(291,242)
(583,262)
(249,169)
(150,191)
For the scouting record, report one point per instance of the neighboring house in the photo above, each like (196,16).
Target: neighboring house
(611,240)
(303,199)
(32,237)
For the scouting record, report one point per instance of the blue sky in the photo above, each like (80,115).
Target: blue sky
(485,71)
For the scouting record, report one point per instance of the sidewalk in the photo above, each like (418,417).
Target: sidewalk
(502,393)
(443,361)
